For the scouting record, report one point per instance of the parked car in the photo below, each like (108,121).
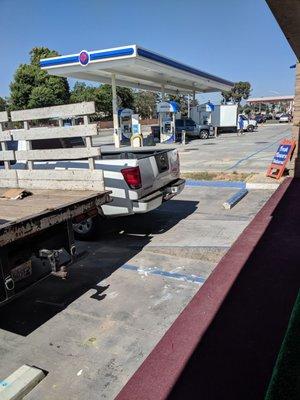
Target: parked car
(192,129)
(260,118)
(269,116)
(284,118)
(278,115)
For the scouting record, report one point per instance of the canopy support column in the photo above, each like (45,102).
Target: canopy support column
(115,111)
(189,106)
(163,93)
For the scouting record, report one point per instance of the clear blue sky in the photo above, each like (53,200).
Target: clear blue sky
(235,39)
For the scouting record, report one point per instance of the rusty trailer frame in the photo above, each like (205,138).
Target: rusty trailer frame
(31,247)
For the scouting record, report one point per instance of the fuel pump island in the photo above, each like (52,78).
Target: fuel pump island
(135,67)
(129,124)
(168,111)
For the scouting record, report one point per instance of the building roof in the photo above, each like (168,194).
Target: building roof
(270,99)
(287,14)
(135,67)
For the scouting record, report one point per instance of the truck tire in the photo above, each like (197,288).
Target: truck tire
(88,229)
(250,128)
(203,134)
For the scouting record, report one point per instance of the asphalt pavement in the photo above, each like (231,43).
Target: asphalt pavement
(251,152)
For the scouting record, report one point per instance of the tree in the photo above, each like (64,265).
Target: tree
(182,100)
(3,104)
(102,96)
(82,92)
(32,87)
(241,90)
(247,110)
(145,103)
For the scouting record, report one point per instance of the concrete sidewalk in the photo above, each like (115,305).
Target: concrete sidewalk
(225,343)
(92,331)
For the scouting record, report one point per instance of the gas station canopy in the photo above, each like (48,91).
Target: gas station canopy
(135,67)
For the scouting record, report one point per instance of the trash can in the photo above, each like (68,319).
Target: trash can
(136,140)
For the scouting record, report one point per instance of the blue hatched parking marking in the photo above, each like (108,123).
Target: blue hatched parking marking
(165,274)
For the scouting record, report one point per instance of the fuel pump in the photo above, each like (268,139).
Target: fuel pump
(125,117)
(167,111)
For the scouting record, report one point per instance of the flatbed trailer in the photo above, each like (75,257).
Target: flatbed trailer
(36,235)
(38,207)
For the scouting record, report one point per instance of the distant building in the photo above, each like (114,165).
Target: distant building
(277,103)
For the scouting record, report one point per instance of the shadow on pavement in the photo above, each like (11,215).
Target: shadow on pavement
(122,239)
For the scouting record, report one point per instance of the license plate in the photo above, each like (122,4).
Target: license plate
(174,163)
(162,162)
(21,271)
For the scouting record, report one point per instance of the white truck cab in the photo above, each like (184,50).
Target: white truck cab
(249,125)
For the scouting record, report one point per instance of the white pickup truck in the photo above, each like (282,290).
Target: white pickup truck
(139,180)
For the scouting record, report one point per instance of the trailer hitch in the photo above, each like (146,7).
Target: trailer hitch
(53,257)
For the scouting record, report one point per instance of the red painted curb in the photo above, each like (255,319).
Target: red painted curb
(158,374)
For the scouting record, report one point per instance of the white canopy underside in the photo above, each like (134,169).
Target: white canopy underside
(138,72)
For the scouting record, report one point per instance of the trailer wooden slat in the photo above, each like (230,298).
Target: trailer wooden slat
(53,179)
(65,111)
(7,155)
(3,116)
(5,136)
(55,132)
(57,154)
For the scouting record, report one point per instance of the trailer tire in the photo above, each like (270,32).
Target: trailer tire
(203,134)
(250,128)
(88,229)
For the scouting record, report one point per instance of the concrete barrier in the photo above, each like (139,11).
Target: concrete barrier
(20,382)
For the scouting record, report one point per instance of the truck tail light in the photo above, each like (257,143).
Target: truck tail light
(132,177)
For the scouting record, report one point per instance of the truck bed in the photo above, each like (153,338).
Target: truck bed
(42,209)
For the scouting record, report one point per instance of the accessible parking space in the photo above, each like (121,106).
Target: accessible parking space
(91,331)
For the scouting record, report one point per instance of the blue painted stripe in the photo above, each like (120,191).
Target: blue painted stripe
(165,274)
(218,184)
(93,56)
(114,53)
(182,67)
(59,60)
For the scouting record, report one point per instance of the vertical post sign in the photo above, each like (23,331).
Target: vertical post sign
(282,156)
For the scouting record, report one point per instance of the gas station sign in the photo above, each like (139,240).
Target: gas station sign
(282,156)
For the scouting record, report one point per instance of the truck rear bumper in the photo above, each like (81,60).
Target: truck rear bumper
(154,200)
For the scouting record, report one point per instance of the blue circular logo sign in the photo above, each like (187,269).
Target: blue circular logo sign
(84,57)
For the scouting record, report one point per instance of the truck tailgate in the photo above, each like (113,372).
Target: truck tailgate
(158,170)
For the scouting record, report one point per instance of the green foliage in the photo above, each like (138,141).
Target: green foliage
(247,110)
(82,92)
(37,53)
(285,380)
(33,87)
(145,103)
(241,90)
(126,97)
(182,100)
(102,96)
(3,104)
